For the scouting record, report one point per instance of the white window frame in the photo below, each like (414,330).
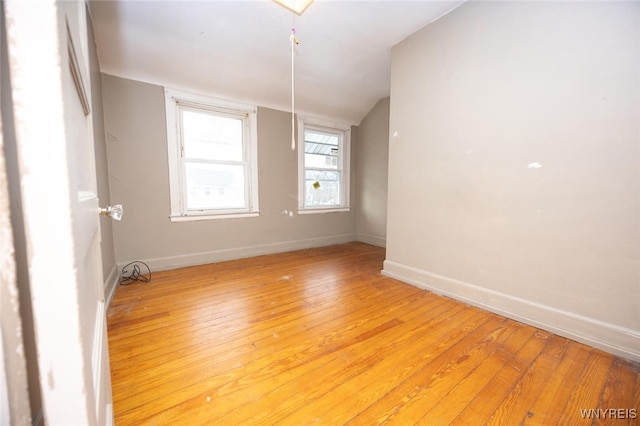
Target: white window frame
(344,163)
(174,100)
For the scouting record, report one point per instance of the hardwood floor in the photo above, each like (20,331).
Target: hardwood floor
(320,336)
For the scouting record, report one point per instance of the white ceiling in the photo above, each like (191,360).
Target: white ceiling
(240,50)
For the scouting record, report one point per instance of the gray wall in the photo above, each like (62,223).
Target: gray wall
(372,160)
(138,178)
(477,98)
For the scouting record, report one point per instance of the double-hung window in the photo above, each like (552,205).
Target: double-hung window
(323,164)
(212,153)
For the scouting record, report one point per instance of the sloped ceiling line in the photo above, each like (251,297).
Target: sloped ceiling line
(235,49)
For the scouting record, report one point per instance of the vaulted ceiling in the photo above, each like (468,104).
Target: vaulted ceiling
(240,50)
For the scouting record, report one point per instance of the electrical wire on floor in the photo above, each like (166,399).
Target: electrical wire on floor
(132,272)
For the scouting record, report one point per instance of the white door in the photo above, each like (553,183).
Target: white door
(48,55)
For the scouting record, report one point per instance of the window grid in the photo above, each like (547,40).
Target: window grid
(212,150)
(200,196)
(323,162)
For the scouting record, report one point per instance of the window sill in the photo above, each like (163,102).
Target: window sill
(329,210)
(196,217)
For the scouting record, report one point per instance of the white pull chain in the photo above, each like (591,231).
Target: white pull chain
(294,41)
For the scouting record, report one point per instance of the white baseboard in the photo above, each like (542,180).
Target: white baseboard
(609,337)
(191,259)
(374,240)
(110,285)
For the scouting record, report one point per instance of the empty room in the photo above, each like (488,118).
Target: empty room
(290,212)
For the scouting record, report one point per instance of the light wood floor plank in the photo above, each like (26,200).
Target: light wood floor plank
(551,401)
(451,404)
(294,357)
(439,365)
(306,380)
(592,380)
(362,390)
(309,389)
(515,406)
(236,352)
(479,410)
(618,391)
(320,336)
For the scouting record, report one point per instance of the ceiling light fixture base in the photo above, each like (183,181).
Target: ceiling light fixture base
(296,6)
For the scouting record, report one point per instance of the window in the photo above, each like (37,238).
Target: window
(212,153)
(323,167)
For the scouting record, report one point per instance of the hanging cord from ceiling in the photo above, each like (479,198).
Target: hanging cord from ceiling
(294,41)
(135,272)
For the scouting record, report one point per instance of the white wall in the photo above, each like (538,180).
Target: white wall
(372,160)
(479,97)
(138,178)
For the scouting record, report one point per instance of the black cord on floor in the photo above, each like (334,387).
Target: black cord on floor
(133,273)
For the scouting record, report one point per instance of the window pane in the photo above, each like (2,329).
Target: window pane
(315,136)
(322,188)
(214,186)
(211,137)
(321,149)
(321,161)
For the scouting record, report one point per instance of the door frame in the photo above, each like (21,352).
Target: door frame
(15,406)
